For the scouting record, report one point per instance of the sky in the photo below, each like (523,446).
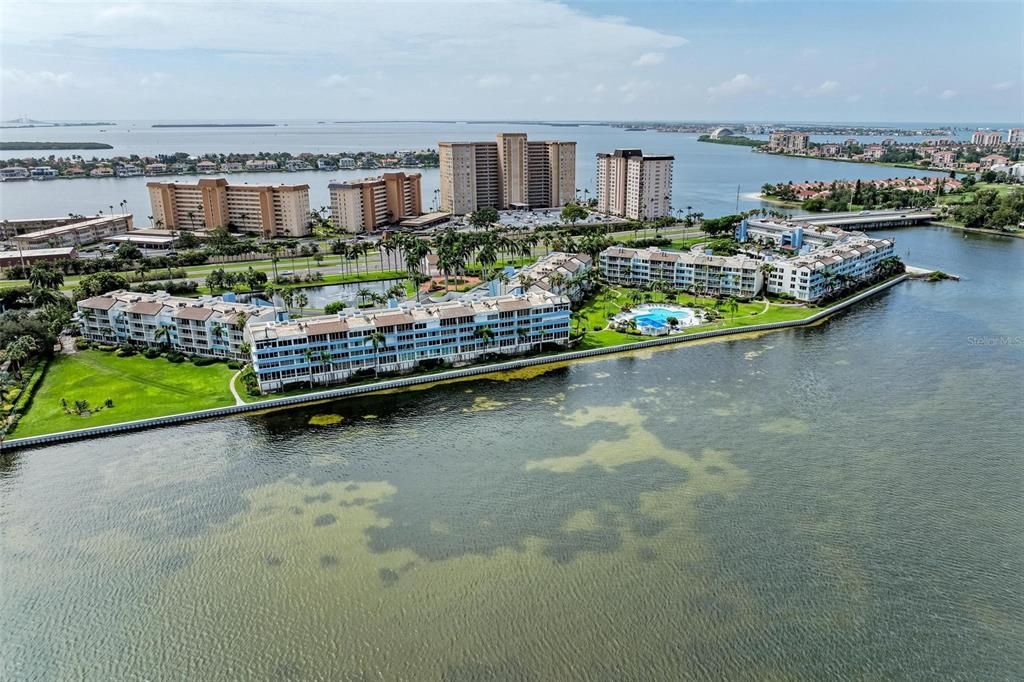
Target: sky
(840,60)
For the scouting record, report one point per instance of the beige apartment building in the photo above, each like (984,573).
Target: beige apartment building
(789,142)
(512,172)
(77,232)
(366,205)
(634,186)
(987,138)
(267,210)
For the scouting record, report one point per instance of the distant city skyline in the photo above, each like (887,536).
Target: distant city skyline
(534,60)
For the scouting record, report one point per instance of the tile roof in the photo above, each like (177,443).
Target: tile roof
(193,313)
(146,308)
(98,303)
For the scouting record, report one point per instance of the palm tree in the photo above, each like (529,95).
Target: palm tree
(275,250)
(379,342)
(732,305)
(503,280)
(301,300)
(485,334)
(217,332)
(365,294)
(766,270)
(308,354)
(288,296)
(162,335)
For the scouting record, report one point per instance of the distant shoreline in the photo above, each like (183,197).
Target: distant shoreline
(55,146)
(213,125)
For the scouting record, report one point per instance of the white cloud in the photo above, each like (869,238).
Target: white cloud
(738,84)
(152,80)
(852,99)
(634,89)
(335,80)
(808,52)
(828,86)
(37,79)
(923,90)
(1002,85)
(649,59)
(492,80)
(600,89)
(947,94)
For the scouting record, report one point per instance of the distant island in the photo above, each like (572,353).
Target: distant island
(214,125)
(31,123)
(739,140)
(16,146)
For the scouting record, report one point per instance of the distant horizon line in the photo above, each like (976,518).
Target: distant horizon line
(541,121)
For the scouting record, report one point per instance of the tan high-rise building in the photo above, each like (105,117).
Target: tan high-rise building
(634,186)
(366,205)
(266,210)
(511,173)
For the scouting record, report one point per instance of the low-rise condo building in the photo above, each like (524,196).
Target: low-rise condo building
(265,210)
(788,235)
(208,326)
(809,276)
(738,276)
(512,172)
(332,348)
(634,186)
(68,231)
(369,204)
(556,273)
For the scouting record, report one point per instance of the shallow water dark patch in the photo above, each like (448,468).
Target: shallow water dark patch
(328,561)
(474,671)
(646,554)
(714,470)
(324,520)
(271,560)
(387,576)
(481,515)
(322,497)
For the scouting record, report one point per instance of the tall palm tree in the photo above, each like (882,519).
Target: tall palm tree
(301,300)
(485,334)
(766,271)
(732,305)
(217,332)
(365,294)
(379,342)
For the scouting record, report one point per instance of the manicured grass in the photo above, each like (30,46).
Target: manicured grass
(139,387)
(968,197)
(610,301)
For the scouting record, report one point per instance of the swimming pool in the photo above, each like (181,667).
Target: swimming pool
(657,317)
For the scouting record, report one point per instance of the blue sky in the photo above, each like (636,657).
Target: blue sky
(751,60)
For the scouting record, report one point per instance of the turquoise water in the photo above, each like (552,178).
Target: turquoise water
(840,501)
(658,317)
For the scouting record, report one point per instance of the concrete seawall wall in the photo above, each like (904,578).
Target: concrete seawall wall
(476,370)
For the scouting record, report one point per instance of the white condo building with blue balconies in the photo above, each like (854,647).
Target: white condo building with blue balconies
(332,348)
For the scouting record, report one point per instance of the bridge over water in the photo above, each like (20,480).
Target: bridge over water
(868,220)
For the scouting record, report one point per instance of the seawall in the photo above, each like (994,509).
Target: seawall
(391,384)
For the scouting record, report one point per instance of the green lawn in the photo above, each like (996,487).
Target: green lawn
(139,387)
(610,301)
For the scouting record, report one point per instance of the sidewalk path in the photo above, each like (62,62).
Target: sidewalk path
(231,385)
